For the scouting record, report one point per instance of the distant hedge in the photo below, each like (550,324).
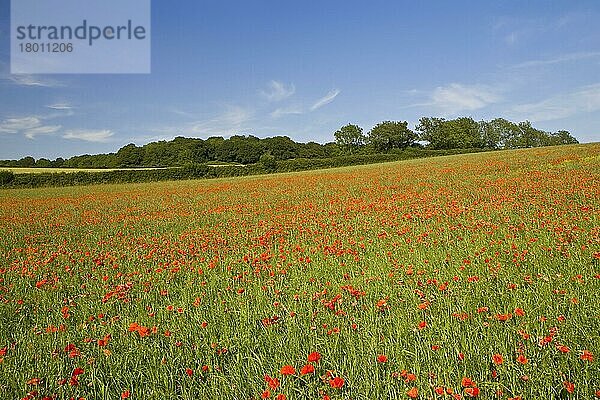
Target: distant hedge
(201,171)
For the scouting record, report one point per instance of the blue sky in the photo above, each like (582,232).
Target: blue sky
(303,69)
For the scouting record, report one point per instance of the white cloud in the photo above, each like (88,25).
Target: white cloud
(30,126)
(559,59)
(60,106)
(16,125)
(232,121)
(278,91)
(280,112)
(34,81)
(328,98)
(89,135)
(455,98)
(584,100)
(41,130)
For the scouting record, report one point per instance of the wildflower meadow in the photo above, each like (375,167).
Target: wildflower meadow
(468,276)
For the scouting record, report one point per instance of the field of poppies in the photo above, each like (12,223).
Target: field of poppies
(473,276)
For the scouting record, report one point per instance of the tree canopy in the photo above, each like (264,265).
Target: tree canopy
(350,138)
(389,135)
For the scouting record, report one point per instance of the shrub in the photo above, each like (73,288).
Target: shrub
(6,177)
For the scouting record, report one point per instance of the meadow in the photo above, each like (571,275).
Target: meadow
(468,276)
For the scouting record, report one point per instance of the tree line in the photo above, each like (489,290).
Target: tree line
(388,136)
(441,134)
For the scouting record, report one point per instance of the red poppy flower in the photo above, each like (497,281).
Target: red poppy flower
(472,391)
(497,359)
(413,393)
(34,381)
(503,317)
(467,382)
(189,372)
(272,382)
(521,359)
(587,355)
(562,348)
(265,395)
(336,382)
(569,386)
(382,358)
(519,312)
(314,357)
(125,394)
(307,369)
(288,370)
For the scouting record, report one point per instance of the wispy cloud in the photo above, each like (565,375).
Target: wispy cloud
(60,106)
(16,125)
(583,100)
(232,120)
(516,30)
(41,130)
(89,135)
(278,91)
(34,81)
(559,59)
(455,98)
(328,98)
(30,127)
(292,110)
(180,112)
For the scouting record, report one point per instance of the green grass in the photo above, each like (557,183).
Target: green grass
(342,257)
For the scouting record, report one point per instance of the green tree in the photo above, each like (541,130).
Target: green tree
(350,138)
(58,162)
(562,137)
(26,162)
(459,133)
(130,156)
(505,133)
(430,131)
(43,163)
(490,137)
(281,147)
(530,136)
(389,135)
(268,162)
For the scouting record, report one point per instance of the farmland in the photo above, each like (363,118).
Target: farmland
(469,276)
